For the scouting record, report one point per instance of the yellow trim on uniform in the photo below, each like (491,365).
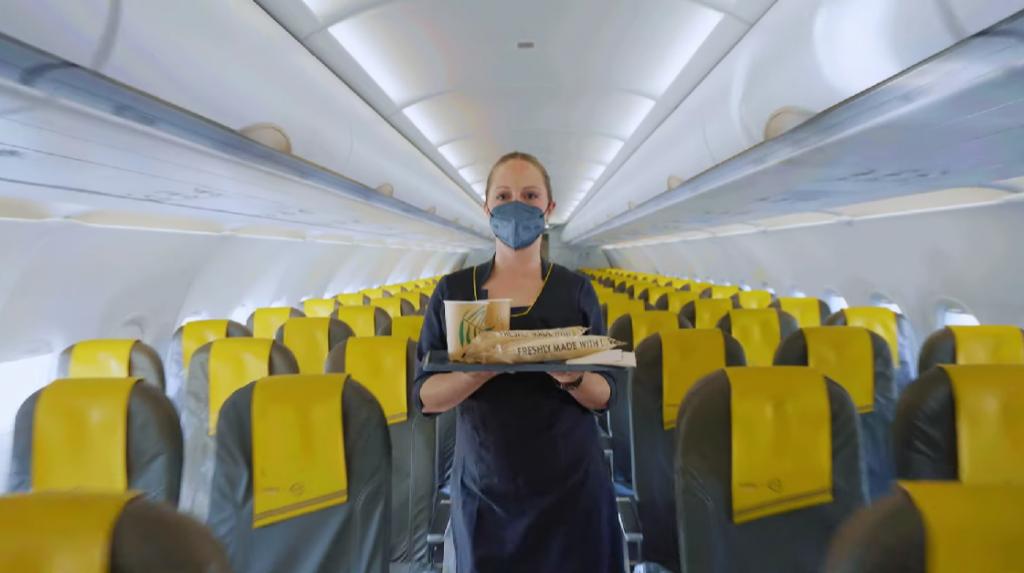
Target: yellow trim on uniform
(58,532)
(355,299)
(407,327)
(989,423)
(758,332)
(879,320)
(652,322)
(392,306)
(968,528)
(677,300)
(551,267)
(806,311)
(754,299)
(101,358)
(235,362)
(781,441)
(298,446)
(361,319)
(618,308)
(80,435)
(845,354)
(379,364)
(319,307)
(266,321)
(708,311)
(687,355)
(988,344)
(724,291)
(309,339)
(197,333)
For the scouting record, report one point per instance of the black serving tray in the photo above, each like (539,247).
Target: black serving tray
(437,361)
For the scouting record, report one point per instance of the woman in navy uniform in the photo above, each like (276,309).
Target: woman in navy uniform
(530,486)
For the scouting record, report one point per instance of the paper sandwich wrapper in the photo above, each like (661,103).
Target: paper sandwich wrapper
(465,319)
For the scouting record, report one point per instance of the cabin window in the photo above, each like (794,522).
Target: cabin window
(194,317)
(797,293)
(885,302)
(744,287)
(241,314)
(956,316)
(835,301)
(767,287)
(19,379)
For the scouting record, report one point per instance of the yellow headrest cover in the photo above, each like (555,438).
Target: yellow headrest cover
(235,362)
(374,293)
(988,344)
(969,528)
(357,299)
(680,283)
(724,291)
(393,306)
(752,299)
(781,441)
(618,308)
(319,307)
(407,327)
(412,297)
(80,435)
(58,532)
(708,311)
(655,293)
(298,446)
(199,332)
(845,354)
(759,333)
(393,289)
(806,311)
(309,340)
(379,364)
(652,322)
(700,287)
(989,423)
(361,319)
(687,355)
(100,359)
(879,320)
(639,289)
(677,300)
(603,294)
(266,321)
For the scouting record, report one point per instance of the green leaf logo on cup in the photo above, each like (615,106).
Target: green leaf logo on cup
(472,324)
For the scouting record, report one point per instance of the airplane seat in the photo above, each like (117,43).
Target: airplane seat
(311,340)
(102,533)
(933,528)
(891,326)
(706,312)
(188,338)
(302,477)
(720,291)
(395,307)
(674,301)
(699,288)
(365,321)
(615,308)
(632,329)
(753,299)
(376,293)
(106,435)
(759,331)
(989,344)
(386,366)
(668,364)
(217,370)
(320,307)
(112,358)
(962,423)
(809,312)
(767,466)
(404,326)
(416,299)
(264,322)
(354,299)
(860,361)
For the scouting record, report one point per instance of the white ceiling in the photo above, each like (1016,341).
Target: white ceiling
(450,76)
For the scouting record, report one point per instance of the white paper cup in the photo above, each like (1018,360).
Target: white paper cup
(465,320)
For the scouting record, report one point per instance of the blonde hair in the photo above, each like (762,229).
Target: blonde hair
(520,156)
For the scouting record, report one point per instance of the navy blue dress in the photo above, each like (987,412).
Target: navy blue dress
(530,486)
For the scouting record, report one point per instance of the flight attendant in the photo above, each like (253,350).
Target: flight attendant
(530,486)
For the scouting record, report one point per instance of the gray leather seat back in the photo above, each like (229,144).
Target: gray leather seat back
(413,461)
(176,369)
(143,362)
(985,341)
(154,448)
(906,367)
(336,330)
(200,444)
(653,444)
(352,536)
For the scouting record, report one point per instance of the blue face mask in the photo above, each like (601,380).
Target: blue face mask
(517,224)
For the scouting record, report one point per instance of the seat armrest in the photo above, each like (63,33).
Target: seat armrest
(439,522)
(630,519)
